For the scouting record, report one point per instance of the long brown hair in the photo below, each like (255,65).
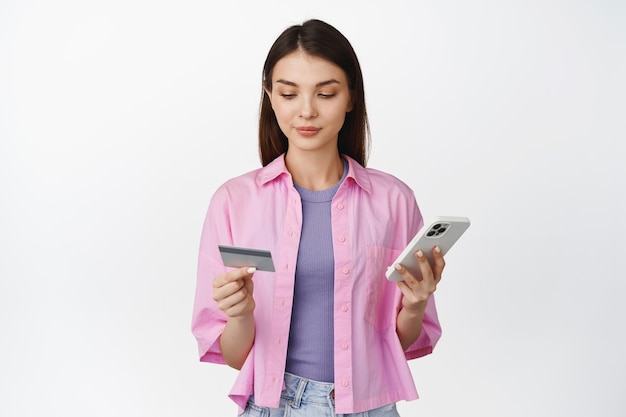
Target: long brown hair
(322,40)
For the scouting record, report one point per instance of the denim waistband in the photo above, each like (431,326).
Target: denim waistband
(300,390)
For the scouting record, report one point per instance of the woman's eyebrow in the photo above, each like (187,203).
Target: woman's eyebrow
(320,84)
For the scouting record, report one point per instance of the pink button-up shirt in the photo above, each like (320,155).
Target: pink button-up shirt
(374,215)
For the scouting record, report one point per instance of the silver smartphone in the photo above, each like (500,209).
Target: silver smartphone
(237,257)
(441,231)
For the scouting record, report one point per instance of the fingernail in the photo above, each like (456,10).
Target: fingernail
(437,249)
(397,267)
(251,270)
(420,253)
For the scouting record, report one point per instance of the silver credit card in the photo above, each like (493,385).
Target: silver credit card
(237,257)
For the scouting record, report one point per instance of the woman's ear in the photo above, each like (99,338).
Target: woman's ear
(350,105)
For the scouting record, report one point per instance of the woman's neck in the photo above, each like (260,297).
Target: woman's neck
(314,171)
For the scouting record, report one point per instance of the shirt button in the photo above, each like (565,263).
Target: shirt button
(340,206)
(342,239)
(344,308)
(344,346)
(345,383)
(346,271)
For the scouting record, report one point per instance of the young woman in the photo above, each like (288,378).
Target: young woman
(325,334)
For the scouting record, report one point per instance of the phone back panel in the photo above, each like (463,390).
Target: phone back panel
(443,231)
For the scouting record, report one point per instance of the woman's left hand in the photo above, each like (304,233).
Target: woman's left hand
(417,290)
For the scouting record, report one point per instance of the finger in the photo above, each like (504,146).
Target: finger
(412,297)
(234,275)
(425,269)
(228,289)
(407,276)
(241,305)
(246,306)
(232,300)
(404,288)
(439,263)
(248,285)
(249,274)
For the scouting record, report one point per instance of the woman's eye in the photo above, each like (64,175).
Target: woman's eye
(322,95)
(287,96)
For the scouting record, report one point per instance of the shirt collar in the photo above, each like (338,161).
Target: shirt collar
(277,168)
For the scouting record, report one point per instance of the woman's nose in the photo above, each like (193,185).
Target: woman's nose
(308,109)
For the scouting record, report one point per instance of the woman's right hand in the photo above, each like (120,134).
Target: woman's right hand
(233,290)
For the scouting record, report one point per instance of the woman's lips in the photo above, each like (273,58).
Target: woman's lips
(307,130)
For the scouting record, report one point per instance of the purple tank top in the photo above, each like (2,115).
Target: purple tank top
(310,350)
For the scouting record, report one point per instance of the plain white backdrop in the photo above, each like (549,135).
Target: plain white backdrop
(119,119)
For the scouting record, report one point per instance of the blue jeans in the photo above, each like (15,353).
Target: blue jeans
(306,398)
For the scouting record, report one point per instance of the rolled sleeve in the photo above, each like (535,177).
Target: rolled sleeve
(208,321)
(430,334)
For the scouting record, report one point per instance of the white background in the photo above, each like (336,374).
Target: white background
(119,119)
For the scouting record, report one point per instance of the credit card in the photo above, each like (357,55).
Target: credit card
(237,257)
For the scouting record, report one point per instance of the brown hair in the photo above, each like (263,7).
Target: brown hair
(322,40)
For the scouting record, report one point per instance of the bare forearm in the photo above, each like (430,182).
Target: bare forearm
(409,325)
(237,340)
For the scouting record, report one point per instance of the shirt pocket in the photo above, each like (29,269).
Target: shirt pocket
(380,293)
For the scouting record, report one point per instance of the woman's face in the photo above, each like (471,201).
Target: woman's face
(310,98)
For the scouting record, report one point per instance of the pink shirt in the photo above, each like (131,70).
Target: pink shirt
(374,215)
